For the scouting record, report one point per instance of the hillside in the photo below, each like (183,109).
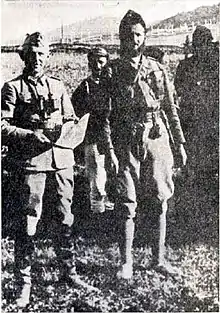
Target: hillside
(197,16)
(95,26)
(106,25)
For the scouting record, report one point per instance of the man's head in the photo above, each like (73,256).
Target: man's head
(97,59)
(132,31)
(201,41)
(34,53)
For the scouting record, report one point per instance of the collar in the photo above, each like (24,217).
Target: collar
(96,80)
(34,80)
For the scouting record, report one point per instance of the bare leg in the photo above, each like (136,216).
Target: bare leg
(125,245)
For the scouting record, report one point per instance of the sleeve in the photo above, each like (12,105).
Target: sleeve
(78,99)
(105,142)
(171,112)
(10,132)
(67,107)
(179,79)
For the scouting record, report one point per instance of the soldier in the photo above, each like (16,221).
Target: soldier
(90,98)
(142,103)
(34,108)
(197,86)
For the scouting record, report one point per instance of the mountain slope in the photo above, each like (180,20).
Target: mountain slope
(95,26)
(197,16)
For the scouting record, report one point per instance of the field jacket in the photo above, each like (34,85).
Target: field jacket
(29,105)
(90,97)
(131,102)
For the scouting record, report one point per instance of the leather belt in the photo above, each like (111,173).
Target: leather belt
(150,116)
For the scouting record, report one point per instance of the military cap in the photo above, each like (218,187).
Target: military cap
(201,35)
(130,18)
(97,52)
(34,41)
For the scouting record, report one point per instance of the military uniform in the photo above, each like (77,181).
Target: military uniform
(28,106)
(140,137)
(144,122)
(20,113)
(90,97)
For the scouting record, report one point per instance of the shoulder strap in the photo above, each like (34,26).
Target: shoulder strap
(140,65)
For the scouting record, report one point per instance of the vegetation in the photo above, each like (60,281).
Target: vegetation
(192,242)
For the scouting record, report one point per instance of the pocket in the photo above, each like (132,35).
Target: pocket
(156,82)
(57,104)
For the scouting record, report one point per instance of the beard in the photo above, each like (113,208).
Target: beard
(128,51)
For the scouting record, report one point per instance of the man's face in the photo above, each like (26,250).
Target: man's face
(135,39)
(35,60)
(96,65)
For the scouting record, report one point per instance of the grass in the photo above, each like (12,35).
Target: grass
(192,242)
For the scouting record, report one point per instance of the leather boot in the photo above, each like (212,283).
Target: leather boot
(24,248)
(66,259)
(23,291)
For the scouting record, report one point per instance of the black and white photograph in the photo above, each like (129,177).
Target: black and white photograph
(110,156)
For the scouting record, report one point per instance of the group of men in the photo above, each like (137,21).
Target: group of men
(134,131)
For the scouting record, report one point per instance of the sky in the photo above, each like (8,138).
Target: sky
(21,17)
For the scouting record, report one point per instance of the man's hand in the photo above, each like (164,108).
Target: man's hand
(181,156)
(39,137)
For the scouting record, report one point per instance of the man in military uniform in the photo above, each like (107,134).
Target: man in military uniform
(197,86)
(89,97)
(34,108)
(142,104)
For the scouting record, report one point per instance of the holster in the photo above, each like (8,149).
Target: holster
(155,131)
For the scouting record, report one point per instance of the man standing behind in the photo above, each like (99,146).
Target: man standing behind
(89,97)
(34,108)
(142,103)
(197,86)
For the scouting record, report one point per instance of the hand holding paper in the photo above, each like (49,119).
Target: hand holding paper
(72,134)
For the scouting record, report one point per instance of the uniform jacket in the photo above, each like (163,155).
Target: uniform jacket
(21,113)
(131,101)
(90,97)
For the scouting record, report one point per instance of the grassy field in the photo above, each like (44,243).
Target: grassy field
(192,242)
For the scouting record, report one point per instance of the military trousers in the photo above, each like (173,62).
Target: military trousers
(32,188)
(147,175)
(98,177)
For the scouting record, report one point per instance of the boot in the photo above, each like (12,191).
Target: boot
(23,287)
(69,276)
(66,260)
(24,248)
(125,246)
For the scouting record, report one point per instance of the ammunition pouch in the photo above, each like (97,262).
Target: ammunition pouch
(137,130)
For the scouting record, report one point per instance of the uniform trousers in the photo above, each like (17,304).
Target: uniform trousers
(31,192)
(144,176)
(96,173)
